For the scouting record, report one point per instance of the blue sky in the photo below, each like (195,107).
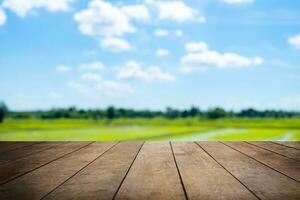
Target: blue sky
(150,54)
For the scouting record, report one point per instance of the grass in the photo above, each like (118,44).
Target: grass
(150,129)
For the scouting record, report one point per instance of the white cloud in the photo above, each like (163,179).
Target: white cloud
(98,86)
(115,44)
(2,17)
(133,69)
(201,19)
(178,33)
(93,66)
(91,77)
(63,68)
(199,56)
(257,60)
(161,32)
(295,41)
(103,19)
(196,46)
(162,52)
(188,69)
(137,12)
(55,95)
(102,87)
(225,60)
(237,1)
(113,88)
(24,7)
(81,88)
(177,11)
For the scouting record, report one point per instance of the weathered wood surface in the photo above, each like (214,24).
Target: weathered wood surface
(153,175)
(150,170)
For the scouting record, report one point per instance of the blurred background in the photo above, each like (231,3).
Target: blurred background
(149,70)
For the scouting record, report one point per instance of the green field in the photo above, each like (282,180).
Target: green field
(189,129)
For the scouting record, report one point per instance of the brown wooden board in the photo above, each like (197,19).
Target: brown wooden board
(13,170)
(19,153)
(101,179)
(260,179)
(40,182)
(295,145)
(280,149)
(157,170)
(153,175)
(203,177)
(287,166)
(8,146)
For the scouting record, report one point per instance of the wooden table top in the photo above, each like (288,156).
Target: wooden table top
(149,170)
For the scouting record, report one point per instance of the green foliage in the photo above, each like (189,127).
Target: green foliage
(3,111)
(172,113)
(216,113)
(110,112)
(113,113)
(161,128)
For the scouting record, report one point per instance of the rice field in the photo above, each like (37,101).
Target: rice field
(191,129)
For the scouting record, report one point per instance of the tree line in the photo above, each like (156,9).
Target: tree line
(171,113)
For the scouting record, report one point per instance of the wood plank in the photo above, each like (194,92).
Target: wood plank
(260,179)
(13,170)
(280,149)
(101,179)
(204,178)
(284,165)
(19,153)
(4,144)
(295,145)
(38,183)
(8,146)
(153,175)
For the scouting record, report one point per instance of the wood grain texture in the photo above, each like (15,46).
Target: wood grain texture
(101,179)
(153,175)
(40,182)
(280,149)
(8,146)
(151,170)
(29,150)
(295,145)
(204,178)
(284,165)
(12,170)
(262,180)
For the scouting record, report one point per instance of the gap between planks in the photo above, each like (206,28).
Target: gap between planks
(31,170)
(179,174)
(286,145)
(261,162)
(123,179)
(79,170)
(271,151)
(228,171)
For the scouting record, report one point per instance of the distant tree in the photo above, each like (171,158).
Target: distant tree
(21,115)
(216,113)
(185,113)
(231,114)
(72,109)
(111,112)
(3,111)
(250,113)
(172,113)
(194,111)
